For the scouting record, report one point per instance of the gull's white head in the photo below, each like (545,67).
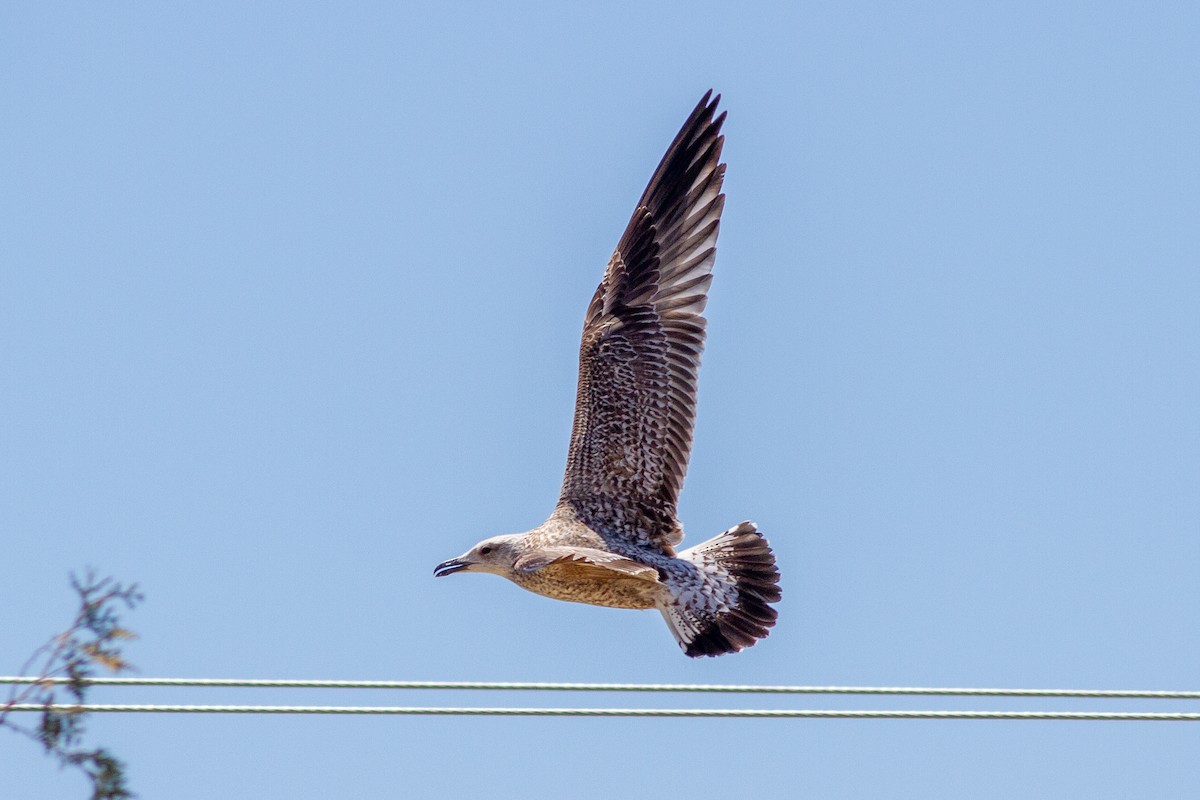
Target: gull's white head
(496,555)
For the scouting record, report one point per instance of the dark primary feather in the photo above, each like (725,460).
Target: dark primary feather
(642,340)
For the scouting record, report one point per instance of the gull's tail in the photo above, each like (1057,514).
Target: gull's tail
(725,605)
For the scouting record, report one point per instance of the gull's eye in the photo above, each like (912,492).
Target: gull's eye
(483,551)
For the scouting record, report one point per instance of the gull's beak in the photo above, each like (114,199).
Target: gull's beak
(449,568)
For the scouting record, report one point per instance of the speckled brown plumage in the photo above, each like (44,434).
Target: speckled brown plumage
(642,339)
(611,539)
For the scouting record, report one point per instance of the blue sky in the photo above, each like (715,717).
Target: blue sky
(289,314)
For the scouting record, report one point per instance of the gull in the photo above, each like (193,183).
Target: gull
(611,539)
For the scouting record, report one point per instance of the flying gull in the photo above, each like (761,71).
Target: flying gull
(611,539)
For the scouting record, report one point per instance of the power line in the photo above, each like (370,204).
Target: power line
(605,712)
(610,712)
(610,687)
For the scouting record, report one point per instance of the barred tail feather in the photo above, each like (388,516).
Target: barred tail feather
(729,609)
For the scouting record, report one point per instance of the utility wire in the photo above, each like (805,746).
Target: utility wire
(604,712)
(609,712)
(609,687)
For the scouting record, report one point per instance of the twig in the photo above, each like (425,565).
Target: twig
(95,637)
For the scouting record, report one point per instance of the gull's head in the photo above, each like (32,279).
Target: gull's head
(495,555)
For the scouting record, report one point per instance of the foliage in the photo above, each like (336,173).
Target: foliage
(67,661)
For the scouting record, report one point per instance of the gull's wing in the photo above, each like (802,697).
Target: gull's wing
(585,562)
(642,339)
